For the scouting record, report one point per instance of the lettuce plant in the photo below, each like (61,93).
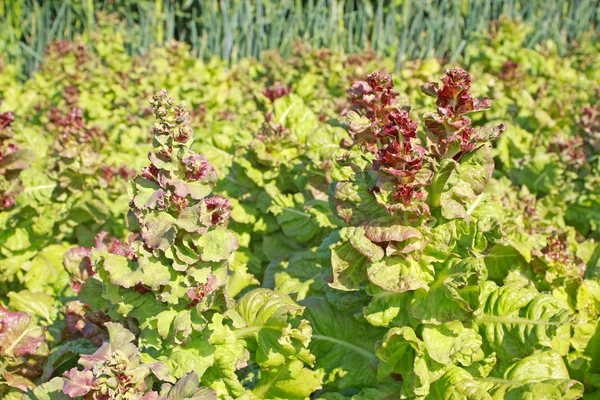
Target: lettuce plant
(114,371)
(171,284)
(420,226)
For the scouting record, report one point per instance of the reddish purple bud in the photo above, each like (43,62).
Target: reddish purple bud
(400,159)
(509,72)
(166,152)
(6,119)
(401,162)
(182,133)
(276,91)
(112,245)
(376,101)
(108,173)
(405,194)
(389,133)
(454,99)
(71,94)
(380,81)
(127,173)
(180,202)
(558,257)
(451,123)
(555,248)
(160,129)
(197,167)
(7,200)
(219,208)
(180,114)
(59,47)
(198,293)
(359,89)
(150,172)
(163,200)
(400,125)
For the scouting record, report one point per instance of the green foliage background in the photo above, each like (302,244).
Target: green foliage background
(235,29)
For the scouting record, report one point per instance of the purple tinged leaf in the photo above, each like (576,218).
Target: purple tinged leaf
(189,219)
(430,89)
(115,370)
(18,334)
(81,321)
(99,356)
(122,271)
(148,194)
(78,383)
(358,89)
(120,339)
(217,245)
(150,396)
(434,125)
(103,242)
(161,371)
(77,259)
(185,388)
(387,232)
(15,160)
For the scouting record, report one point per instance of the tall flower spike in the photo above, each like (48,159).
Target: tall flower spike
(177,178)
(377,122)
(276,91)
(6,119)
(370,118)
(449,129)
(179,226)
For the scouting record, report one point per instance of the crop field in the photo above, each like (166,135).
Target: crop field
(316,225)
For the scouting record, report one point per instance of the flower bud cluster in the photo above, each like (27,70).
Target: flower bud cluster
(450,124)
(178,178)
(390,133)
